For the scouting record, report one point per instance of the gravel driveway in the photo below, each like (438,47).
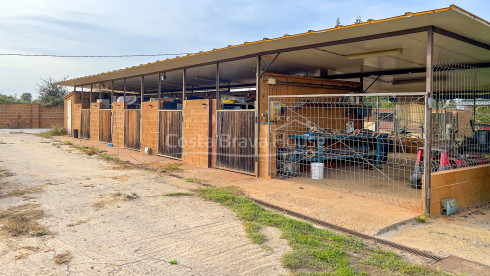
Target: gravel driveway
(116,221)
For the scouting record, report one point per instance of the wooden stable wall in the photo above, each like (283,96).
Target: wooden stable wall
(299,86)
(470,186)
(30,116)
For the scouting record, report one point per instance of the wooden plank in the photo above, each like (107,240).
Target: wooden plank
(235,148)
(85,124)
(170,137)
(132,126)
(105,134)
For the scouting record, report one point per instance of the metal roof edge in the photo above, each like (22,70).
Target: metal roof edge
(369,21)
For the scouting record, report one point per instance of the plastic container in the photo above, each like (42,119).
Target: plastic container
(75,133)
(317,170)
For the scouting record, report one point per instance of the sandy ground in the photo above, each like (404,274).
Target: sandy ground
(366,212)
(88,215)
(465,234)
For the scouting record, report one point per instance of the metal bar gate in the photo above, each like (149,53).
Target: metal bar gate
(369,143)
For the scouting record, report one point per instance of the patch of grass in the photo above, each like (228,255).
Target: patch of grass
(178,194)
(54,131)
(67,143)
(174,167)
(193,180)
(314,251)
(393,263)
(22,221)
(54,144)
(63,258)
(174,262)
(423,218)
(22,193)
(89,150)
(132,196)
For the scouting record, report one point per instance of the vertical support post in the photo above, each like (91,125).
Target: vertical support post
(258,74)
(90,99)
(112,92)
(124,83)
(100,90)
(218,100)
(376,126)
(142,90)
(159,88)
(427,129)
(184,84)
(74,94)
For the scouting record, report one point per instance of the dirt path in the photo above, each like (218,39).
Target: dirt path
(116,221)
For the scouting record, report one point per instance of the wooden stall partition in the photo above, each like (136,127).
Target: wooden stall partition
(105,122)
(170,137)
(85,124)
(235,147)
(132,126)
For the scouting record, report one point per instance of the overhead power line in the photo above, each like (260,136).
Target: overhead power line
(89,56)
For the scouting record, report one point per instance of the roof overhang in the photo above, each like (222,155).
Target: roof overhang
(327,49)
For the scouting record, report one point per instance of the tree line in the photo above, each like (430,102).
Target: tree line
(50,94)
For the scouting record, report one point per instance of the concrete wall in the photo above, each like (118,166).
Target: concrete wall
(149,129)
(469,186)
(30,116)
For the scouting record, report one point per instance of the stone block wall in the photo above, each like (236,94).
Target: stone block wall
(30,116)
(149,127)
(469,186)
(118,124)
(94,121)
(197,142)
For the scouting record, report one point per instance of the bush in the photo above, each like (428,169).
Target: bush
(54,131)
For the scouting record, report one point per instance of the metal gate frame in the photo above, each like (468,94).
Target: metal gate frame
(110,125)
(255,139)
(140,128)
(426,125)
(181,133)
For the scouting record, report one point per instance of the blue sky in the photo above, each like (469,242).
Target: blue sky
(110,27)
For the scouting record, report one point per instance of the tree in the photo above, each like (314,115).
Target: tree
(51,94)
(358,20)
(483,115)
(337,22)
(26,97)
(10,99)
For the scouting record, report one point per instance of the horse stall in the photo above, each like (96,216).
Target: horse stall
(105,125)
(132,129)
(85,124)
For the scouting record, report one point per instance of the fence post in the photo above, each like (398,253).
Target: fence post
(428,112)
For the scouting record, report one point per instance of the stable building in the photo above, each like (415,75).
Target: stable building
(375,106)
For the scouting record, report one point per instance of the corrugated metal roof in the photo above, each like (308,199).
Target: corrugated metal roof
(452,18)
